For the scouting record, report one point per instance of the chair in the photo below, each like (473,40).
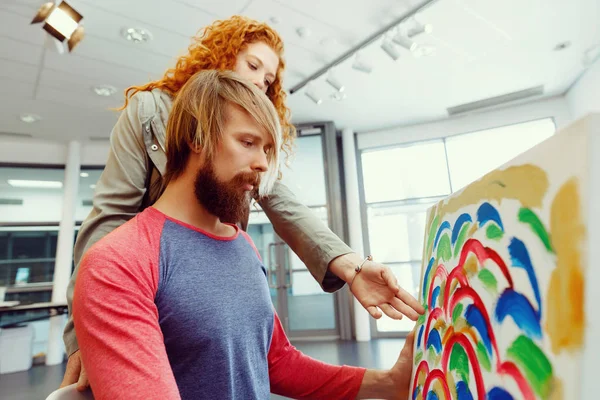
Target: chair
(70,393)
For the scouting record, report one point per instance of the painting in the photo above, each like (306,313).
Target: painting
(502,281)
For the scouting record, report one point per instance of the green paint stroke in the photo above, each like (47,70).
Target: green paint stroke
(529,217)
(430,280)
(418,357)
(534,363)
(460,362)
(460,240)
(431,355)
(488,279)
(482,356)
(444,249)
(456,313)
(433,230)
(494,232)
(422,317)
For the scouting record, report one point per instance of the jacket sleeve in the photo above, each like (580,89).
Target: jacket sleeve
(314,243)
(118,195)
(296,375)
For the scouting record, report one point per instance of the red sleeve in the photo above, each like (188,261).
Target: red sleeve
(116,320)
(293,374)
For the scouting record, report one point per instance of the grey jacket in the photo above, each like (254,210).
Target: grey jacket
(132,180)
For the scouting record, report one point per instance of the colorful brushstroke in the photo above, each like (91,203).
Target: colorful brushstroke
(456,339)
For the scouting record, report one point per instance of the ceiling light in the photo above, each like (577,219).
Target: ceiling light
(338,96)
(390,49)
(562,45)
(424,50)
(136,35)
(591,55)
(29,118)
(274,20)
(35,184)
(84,174)
(419,29)
(303,32)
(405,42)
(92,186)
(361,65)
(62,22)
(310,93)
(335,83)
(104,90)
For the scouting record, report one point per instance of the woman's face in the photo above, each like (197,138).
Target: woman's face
(258,63)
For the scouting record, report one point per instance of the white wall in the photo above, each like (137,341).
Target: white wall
(556,107)
(37,151)
(584,95)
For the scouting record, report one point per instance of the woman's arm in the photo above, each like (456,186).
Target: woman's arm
(118,195)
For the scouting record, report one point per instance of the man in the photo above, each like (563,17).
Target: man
(175,303)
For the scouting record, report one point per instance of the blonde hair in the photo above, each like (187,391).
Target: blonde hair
(198,116)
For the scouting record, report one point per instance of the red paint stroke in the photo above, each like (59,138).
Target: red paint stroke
(510,369)
(482,253)
(470,293)
(432,376)
(440,272)
(423,367)
(433,315)
(463,341)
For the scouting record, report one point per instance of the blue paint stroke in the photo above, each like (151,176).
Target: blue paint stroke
(488,212)
(434,340)
(420,335)
(424,290)
(445,225)
(416,392)
(463,392)
(520,258)
(498,394)
(520,309)
(434,296)
(460,221)
(475,319)
(432,396)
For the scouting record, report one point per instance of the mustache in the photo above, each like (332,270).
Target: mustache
(251,178)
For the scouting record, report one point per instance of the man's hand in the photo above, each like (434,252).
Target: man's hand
(376,288)
(75,373)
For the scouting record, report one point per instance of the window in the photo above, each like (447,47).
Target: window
(401,183)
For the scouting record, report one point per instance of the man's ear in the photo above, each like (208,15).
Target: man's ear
(195,148)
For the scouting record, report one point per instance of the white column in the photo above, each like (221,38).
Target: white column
(362,319)
(64,252)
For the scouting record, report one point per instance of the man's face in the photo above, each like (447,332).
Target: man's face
(226,184)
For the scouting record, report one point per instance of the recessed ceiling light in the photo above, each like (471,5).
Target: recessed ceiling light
(104,90)
(136,35)
(84,174)
(274,20)
(29,118)
(562,46)
(303,32)
(35,184)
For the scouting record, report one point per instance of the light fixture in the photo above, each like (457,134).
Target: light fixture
(92,186)
(84,174)
(136,35)
(419,29)
(405,42)
(274,20)
(362,65)
(311,94)
(303,32)
(29,118)
(338,96)
(104,90)
(424,50)
(562,45)
(390,49)
(22,183)
(61,21)
(334,82)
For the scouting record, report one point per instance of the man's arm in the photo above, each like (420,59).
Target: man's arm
(117,326)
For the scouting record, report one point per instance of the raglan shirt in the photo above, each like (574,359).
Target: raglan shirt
(165,310)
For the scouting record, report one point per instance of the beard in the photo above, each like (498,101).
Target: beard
(226,200)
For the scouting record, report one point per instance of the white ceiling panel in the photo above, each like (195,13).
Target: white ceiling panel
(217,8)
(15,50)
(18,27)
(18,71)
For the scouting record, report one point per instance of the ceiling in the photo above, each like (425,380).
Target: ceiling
(483,48)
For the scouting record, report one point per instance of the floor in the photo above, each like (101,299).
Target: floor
(40,381)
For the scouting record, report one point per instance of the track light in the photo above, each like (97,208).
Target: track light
(405,42)
(419,29)
(335,83)
(62,22)
(310,93)
(390,49)
(361,65)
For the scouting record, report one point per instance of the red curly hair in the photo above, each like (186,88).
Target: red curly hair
(216,47)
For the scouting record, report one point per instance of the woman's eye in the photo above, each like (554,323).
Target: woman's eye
(252,66)
(267,83)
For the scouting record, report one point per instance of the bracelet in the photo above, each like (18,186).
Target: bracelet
(358,268)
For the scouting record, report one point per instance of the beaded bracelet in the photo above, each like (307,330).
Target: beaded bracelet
(358,268)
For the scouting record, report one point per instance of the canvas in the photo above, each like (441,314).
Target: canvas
(503,280)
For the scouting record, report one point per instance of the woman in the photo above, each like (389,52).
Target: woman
(132,178)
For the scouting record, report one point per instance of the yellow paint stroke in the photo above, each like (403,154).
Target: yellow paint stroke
(557,392)
(439,389)
(440,324)
(449,333)
(473,229)
(526,183)
(451,385)
(471,265)
(565,324)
